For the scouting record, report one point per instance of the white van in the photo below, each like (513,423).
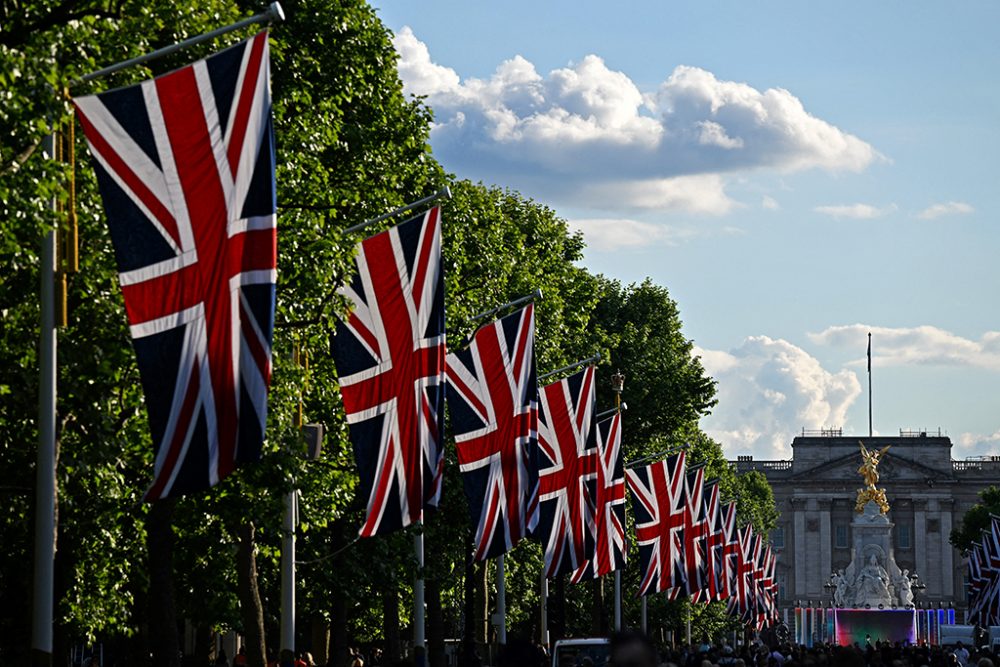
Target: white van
(581,652)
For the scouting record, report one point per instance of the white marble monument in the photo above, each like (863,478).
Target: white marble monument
(872,580)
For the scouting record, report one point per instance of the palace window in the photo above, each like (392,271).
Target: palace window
(840,540)
(903,536)
(782,585)
(778,537)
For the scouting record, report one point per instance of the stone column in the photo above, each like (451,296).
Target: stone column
(825,543)
(947,551)
(920,537)
(799,529)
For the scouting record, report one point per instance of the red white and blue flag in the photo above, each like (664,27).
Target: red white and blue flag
(390,356)
(730,547)
(740,603)
(493,399)
(695,529)
(609,548)
(658,502)
(185,166)
(567,472)
(714,541)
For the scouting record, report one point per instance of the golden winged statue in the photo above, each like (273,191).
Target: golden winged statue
(869,471)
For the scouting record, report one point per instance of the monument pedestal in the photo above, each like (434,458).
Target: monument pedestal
(873,580)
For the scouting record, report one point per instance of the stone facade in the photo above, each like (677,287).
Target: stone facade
(815,492)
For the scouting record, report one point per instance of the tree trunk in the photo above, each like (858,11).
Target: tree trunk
(435,625)
(338,625)
(390,622)
(468,650)
(204,645)
(597,610)
(163,640)
(557,609)
(249,594)
(320,631)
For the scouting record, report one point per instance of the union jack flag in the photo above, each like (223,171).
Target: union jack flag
(609,551)
(185,166)
(567,472)
(658,501)
(730,545)
(984,576)
(390,355)
(695,529)
(493,398)
(768,586)
(759,608)
(740,603)
(714,540)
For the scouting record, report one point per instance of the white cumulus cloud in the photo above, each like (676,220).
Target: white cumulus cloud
(855,211)
(586,127)
(950,208)
(908,346)
(617,233)
(768,390)
(976,444)
(769,203)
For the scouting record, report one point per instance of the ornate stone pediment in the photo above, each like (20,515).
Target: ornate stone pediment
(893,468)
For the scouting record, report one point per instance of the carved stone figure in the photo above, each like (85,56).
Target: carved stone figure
(904,588)
(872,584)
(839,581)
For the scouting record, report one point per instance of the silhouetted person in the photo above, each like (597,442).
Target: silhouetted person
(632,649)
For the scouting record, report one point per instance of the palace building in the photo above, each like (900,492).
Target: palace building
(928,493)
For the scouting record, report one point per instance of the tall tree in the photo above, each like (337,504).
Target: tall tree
(976,519)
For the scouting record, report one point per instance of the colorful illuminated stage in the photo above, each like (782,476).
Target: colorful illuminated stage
(862,625)
(846,626)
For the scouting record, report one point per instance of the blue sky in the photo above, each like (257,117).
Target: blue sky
(796,173)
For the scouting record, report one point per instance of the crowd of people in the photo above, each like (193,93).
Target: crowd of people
(634,649)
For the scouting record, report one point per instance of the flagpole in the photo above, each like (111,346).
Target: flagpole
(870,429)
(45,485)
(419,609)
(618,600)
(287,630)
(537,294)
(583,362)
(444,192)
(501,601)
(272,14)
(607,413)
(642,618)
(42,622)
(544,638)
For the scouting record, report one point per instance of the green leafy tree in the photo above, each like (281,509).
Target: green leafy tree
(976,519)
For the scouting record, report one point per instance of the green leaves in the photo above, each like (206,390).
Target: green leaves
(976,519)
(350,146)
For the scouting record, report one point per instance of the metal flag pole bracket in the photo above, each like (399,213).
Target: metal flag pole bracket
(273,14)
(607,413)
(534,296)
(660,455)
(444,193)
(583,362)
